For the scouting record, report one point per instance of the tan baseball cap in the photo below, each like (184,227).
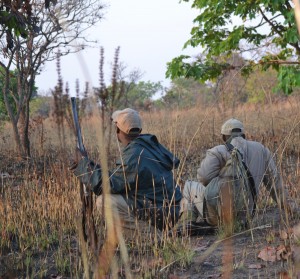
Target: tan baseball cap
(231,124)
(128,121)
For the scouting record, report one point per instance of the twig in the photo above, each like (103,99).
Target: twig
(237,234)
(84,252)
(216,243)
(163,268)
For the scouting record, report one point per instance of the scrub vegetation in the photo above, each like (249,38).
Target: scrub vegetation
(40,207)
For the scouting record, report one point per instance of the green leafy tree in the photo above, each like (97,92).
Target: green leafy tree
(141,93)
(263,31)
(40,106)
(261,87)
(17,17)
(13,85)
(136,93)
(185,92)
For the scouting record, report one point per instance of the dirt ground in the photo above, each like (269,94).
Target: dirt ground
(213,256)
(242,250)
(240,256)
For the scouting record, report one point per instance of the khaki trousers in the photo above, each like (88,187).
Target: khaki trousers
(132,228)
(192,200)
(194,195)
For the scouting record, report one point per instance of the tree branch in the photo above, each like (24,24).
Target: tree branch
(274,28)
(280,62)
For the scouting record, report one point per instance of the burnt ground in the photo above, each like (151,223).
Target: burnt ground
(212,253)
(241,251)
(211,256)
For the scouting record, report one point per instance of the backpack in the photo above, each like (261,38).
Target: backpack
(237,173)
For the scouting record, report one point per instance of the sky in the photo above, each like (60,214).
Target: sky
(149,34)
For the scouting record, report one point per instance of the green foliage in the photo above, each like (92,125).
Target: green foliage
(198,70)
(143,92)
(260,86)
(184,93)
(13,96)
(179,252)
(12,88)
(40,106)
(13,23)
(289,78)
(16,17)
(139,94)
(226,27)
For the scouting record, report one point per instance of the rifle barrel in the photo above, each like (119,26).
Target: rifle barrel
(77,126)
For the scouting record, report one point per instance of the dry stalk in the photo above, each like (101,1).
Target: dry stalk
(84,250)
(114,233)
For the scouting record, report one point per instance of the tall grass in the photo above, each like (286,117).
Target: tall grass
(40,203)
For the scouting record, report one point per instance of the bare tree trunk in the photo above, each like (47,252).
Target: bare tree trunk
(17,137)
(24,131)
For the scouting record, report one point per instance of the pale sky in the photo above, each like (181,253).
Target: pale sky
(149,33)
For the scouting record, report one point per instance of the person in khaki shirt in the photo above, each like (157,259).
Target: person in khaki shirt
(202,199)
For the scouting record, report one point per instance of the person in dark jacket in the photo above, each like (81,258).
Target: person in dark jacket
(143,190)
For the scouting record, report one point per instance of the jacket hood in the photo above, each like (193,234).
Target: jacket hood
(161,153)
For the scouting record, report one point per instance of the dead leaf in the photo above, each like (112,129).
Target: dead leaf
(268,254)
(284,275)
(283,234)
(283,252)
(256,266)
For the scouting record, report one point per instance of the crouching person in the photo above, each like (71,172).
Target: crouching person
(229,180)
(143,192)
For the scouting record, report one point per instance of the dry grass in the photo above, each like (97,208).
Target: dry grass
(40,203)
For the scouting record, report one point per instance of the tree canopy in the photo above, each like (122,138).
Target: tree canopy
(264,32)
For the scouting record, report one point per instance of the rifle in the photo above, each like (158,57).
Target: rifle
(80,145)
(88,224)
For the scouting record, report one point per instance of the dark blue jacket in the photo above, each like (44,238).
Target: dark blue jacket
(144,177)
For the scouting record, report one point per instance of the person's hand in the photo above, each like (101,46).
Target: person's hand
(77,156)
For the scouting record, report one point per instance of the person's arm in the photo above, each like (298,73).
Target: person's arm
(124,174)
(210,166)
(89,174)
